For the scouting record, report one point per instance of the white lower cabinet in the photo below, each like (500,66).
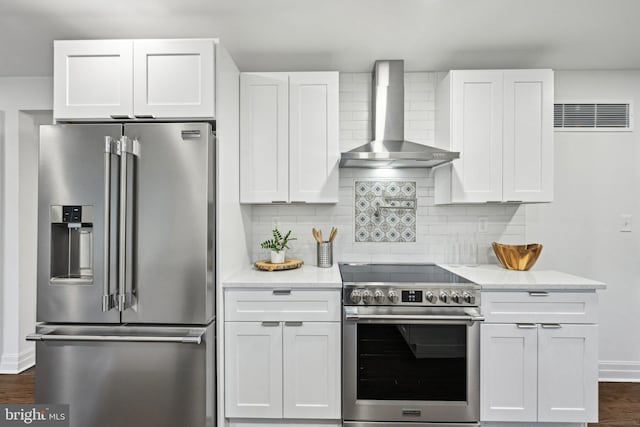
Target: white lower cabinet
(508,376)
(282,370)
(279,365)
(568,373)
(540,373)
(311,370)
(253,371)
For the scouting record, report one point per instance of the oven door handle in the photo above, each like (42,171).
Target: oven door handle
(414,317)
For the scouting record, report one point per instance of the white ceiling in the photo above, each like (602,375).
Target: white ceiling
(347,35)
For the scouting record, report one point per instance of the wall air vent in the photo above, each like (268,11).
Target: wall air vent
(579,116)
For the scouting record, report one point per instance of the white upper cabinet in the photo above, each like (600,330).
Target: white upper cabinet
(313,137)
(477,104)
(93,79)
(528,136)
(174,78)
(289,148)
(264,136)
(501,123)
(97,80)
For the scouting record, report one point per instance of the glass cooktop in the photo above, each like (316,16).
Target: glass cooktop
(398,273)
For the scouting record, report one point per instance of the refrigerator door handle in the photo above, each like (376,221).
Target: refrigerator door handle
(186,339)
(126,146)
(110,148)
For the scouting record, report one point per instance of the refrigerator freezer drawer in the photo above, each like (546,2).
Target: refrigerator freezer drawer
(128,375)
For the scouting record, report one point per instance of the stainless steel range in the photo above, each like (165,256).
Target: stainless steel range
(411,342)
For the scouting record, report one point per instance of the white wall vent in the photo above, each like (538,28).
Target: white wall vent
(579,116)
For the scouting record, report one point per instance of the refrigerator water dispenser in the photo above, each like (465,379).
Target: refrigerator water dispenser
(71,245)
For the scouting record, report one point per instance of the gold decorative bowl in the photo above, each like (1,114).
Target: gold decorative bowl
(517,257)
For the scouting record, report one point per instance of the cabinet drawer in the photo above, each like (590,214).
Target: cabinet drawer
(540,307)
(282,304)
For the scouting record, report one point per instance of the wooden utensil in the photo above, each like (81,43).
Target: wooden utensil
(316,235)
(332,236)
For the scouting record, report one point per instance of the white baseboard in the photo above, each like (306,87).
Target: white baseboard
(619,371)
(15,363)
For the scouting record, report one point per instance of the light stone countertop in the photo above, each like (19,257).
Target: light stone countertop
(496,278)
(307,276)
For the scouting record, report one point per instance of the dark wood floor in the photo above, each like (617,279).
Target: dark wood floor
(18,388)
(619,402)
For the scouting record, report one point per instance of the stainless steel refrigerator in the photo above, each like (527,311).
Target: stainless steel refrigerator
(126,273)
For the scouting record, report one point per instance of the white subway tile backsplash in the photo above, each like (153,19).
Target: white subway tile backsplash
(437,227)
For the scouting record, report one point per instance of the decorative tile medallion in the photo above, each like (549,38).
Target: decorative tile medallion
(385,211)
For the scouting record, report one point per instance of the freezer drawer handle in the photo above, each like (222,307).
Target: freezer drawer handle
(282,291)
(189,339)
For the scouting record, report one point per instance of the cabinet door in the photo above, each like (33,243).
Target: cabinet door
(528,136)
(508,372)
(312,376)
(92,79)
(253,370)
(264,137)
(174,78)
(313,137)
(568,373)
(476,132)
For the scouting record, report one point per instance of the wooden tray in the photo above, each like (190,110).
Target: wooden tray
(288,264)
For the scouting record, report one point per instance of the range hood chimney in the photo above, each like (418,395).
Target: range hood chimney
(389,148)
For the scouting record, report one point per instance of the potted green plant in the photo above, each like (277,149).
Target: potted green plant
(278,245)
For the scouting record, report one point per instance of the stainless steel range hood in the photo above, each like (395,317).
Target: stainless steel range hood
(389,148)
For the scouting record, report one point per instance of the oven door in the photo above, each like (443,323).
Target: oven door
(411,364)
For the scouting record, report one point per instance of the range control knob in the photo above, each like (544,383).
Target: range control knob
(456,297)
(379,296)
(444,297)
(393,296)
(430,297)
(367,297)
(468,298)
(356,296)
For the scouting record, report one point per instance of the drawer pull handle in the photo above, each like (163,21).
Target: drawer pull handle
(270,323)
(279,201)
(282,291)
(526,325)
(292,323)
(551,326)
(538,294)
